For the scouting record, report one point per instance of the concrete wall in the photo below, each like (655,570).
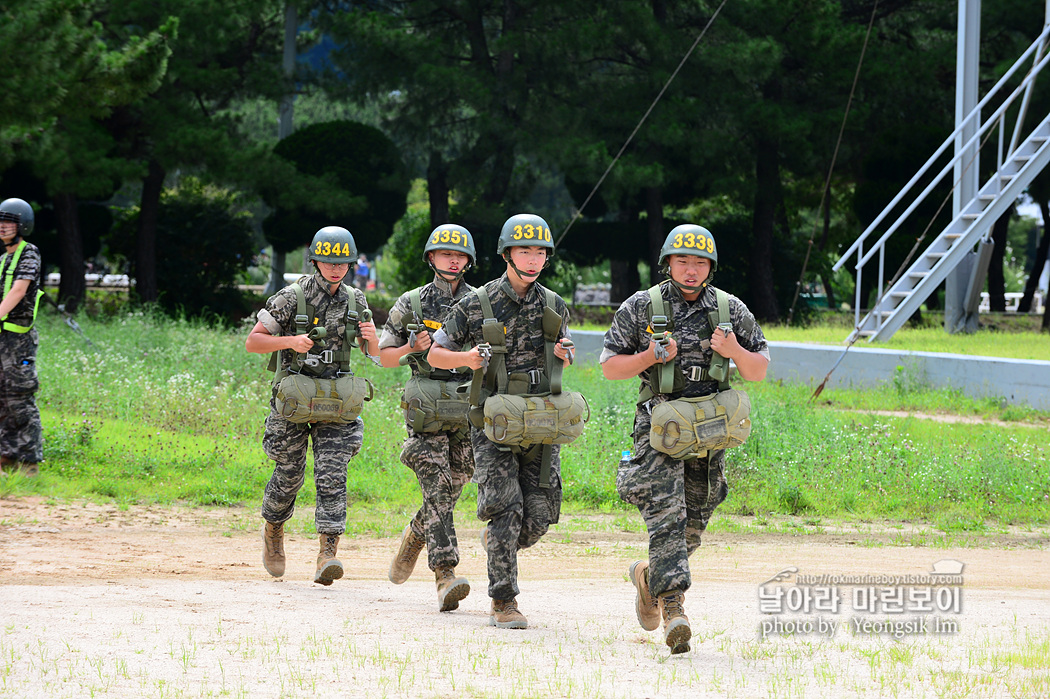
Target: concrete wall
(1016,381)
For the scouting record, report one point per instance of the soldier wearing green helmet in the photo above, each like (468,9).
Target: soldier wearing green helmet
(311,326)
(437,448)
(21,436)
(677,337)
(514,334)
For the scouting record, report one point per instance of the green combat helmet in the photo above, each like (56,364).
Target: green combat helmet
(525,230)
(689,239)
(20,212)
(333,244)
(450,237)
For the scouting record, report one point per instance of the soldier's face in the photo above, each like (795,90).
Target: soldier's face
(529,259)
(8,230)
(450,261)
(689,270)
(332,271)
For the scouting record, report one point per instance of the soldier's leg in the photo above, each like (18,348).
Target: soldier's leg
(334,446)
(284,442)
(21,436)
(428,456)
(655,484)
(541,506)
(705,489)
(500,504)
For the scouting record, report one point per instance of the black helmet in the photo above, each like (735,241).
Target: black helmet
(333,244)
(20,212)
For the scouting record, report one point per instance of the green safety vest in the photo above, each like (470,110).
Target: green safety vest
(9,280)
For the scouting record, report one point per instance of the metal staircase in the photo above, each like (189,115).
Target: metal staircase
(1016,166)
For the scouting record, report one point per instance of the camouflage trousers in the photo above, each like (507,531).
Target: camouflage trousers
(443,463)
(334,445)
(676,499)
(518,510)
(21,437)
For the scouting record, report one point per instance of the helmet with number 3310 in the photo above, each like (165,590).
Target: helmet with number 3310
(333,244)
(525,230)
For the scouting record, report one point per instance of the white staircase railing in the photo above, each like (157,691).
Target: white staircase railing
(1017,164)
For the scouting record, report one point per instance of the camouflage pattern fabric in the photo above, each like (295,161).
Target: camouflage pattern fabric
(21,437)
(28,268)
(278,316)
(286,442)
(519,512)
(443,463)
(675,497)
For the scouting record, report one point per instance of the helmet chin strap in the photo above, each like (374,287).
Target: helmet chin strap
(521,275)
(444,275)
(685,287)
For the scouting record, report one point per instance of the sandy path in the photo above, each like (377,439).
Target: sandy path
(171,602)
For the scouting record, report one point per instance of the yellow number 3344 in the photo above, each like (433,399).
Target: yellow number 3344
(326,247)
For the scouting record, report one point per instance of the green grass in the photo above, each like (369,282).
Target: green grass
(172,411)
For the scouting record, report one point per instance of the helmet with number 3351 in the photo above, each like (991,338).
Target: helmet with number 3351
(451,237)
(525,230)
(333,244)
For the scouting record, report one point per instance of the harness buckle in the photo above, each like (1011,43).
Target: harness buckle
(695,373)
(327,356)
(658,322)
(534,376)
(302,319)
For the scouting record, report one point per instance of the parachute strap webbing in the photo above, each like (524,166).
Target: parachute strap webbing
(9,263)
(493,333)
(719,369)
(661,376)
(419,358)
(552,322)
(304,323)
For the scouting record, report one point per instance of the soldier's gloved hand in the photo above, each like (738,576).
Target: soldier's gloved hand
(300,343)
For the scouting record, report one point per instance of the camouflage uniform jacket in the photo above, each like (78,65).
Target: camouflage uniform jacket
(435,299)
(278,316)
(28,267)
(522,319)
(630,332)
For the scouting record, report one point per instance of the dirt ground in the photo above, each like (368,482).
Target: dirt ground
(173,602)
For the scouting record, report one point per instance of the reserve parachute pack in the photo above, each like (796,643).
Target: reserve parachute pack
(301,397)
(431,400)
(689,428)
(9,277)
(514,417)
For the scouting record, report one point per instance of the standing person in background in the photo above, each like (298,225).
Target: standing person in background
(21,437)
(676,496)
(519,494)
(438,445)
(361,273)
(317,307)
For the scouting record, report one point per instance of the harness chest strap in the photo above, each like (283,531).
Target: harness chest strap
(9,280)
(303,319)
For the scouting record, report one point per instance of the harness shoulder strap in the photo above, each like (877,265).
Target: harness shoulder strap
(493,332)
(719,369)
(417,359)
(552,322)
(661,376)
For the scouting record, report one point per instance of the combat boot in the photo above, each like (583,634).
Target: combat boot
(450,589)
(328,566)
(645,607)
(273,549)
(676,624)
(28,469)
(505,615)
(405,560)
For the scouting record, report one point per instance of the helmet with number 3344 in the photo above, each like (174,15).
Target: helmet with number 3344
(525,230)
(333,244)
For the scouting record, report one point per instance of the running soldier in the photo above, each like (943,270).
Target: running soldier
(21,438)
(519,492)
(677,496)
(438,445)
(317,307)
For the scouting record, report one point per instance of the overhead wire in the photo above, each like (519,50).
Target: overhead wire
(579,211)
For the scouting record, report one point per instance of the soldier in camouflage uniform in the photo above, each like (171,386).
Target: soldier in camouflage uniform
(21,440)
(511,497)
(332,251)
(442,460)
(676,497)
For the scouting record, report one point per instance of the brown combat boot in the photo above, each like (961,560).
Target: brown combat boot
(450,589)
(645,607)
(328,566)
(273,549)
(405,559)
(505,615)
(676,624)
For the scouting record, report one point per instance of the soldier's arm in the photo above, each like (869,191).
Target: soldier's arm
(18,292)
(751,365)
(619,359)
(260,341)
(627,366)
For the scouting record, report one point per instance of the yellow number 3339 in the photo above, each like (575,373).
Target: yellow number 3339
(697,242)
